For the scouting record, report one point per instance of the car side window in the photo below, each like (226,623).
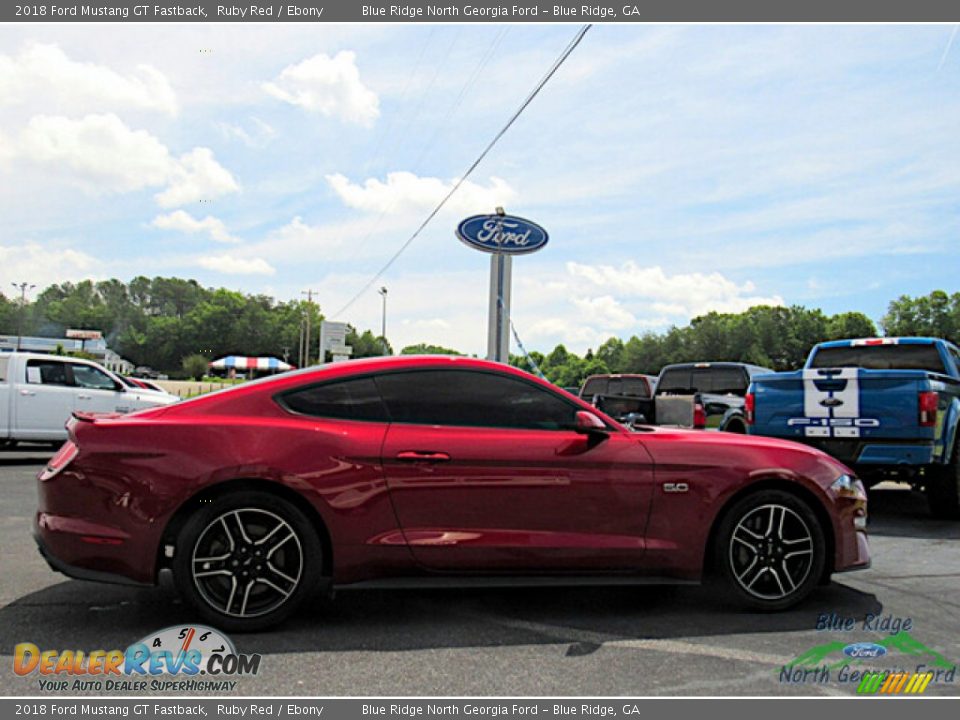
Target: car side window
(92,378)
(47,372)
(472,399)
(356,399)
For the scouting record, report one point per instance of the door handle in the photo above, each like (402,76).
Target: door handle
(27,393)
(422,456)
(83,397)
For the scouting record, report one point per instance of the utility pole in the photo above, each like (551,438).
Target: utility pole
(306,339)
(300,344)
(22,287)
(383,324)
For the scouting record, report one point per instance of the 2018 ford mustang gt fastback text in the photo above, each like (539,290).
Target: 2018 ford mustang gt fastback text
(432,469)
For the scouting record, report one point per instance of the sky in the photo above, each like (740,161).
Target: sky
(678,169)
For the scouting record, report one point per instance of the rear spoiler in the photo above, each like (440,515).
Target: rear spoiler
(94,416)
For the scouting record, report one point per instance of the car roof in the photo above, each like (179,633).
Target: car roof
(363,366)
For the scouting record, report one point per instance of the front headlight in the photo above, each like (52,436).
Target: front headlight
(849,487)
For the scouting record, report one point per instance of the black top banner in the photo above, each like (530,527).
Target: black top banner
(552,11)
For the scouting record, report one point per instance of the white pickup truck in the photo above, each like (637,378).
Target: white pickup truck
(38,393)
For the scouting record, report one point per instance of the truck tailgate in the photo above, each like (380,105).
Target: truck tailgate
(841,403)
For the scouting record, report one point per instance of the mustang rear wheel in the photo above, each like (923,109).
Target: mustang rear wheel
(771,550)
(246,560)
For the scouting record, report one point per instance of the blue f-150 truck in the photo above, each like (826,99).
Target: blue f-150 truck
(887,407)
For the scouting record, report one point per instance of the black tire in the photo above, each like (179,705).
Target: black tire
(247,560)
(943,490)
(770,550)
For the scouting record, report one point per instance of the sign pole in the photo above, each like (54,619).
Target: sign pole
(498,328)
(503,236)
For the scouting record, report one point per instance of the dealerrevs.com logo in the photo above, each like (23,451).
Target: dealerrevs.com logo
(191,658)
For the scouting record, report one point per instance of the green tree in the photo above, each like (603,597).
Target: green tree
(850,325)
(933,315)
(195,365)
(427,349)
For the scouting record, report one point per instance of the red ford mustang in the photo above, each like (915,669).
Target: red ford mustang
(431,469)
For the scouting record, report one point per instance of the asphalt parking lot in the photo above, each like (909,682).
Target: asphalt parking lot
(631,641)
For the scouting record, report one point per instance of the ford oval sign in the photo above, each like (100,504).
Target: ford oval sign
(864,650)
(502,234)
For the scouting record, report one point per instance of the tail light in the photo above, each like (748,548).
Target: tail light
(65,455)
(699,417)
(749,405)
(927,403)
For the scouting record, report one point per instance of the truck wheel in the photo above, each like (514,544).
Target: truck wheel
(771,550)
(943,490)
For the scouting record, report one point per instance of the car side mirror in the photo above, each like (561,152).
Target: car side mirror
(589,424)
(119,387)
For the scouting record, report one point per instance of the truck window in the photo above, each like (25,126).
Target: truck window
(635,387)
(716,380)
(47,372)
(594,386)
(954,353)
(90,377)
(880,357)
(720,381)
(675,381)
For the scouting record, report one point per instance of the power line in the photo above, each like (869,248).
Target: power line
(523,106)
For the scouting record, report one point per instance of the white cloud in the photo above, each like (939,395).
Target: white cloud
(6,148)
(684,294)
(100,148)
(232,265)
(197,176)
(183,221)
(297,233)
(257,134)
(612,313)
(327,85)
(106,155)
(42,266)
(405,191)
(45,71)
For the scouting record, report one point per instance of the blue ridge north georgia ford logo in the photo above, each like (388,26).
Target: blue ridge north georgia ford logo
(505,234)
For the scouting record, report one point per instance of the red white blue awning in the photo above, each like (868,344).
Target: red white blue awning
(240,362)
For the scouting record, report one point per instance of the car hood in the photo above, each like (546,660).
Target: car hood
(754,454)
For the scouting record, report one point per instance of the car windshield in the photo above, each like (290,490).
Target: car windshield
(880,357)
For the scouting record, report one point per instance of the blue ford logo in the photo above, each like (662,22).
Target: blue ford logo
(864,650)
(502,233)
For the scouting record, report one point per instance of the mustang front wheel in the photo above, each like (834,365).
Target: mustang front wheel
(771,550)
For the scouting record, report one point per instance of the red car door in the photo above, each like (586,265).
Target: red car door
(486,472)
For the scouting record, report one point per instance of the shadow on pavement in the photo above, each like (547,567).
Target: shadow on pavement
(897,511)
(32,458)
(76,614)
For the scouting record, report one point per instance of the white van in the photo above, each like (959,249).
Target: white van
(39,392)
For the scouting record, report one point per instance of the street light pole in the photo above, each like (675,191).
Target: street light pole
(22,287)
(383,324)
(306,339)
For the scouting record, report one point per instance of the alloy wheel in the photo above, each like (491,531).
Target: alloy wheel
(771,551)
(247,562)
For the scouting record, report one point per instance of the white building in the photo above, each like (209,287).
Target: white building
(114,363)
